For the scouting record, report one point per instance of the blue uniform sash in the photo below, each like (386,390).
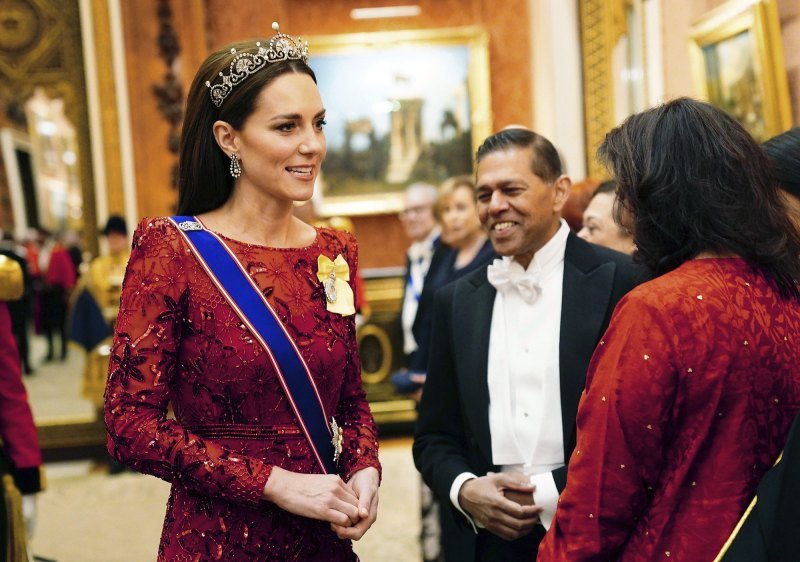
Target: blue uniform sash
(250,305)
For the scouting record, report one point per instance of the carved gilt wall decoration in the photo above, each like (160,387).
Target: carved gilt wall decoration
(170,92)
(40,46)
(602,23)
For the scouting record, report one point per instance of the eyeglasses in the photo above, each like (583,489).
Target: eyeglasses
(418,210)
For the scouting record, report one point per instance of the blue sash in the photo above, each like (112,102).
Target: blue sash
(250,305)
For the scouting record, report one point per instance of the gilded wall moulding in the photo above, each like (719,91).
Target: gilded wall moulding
(20,23)
(40,47)
(33,42)
(600,24)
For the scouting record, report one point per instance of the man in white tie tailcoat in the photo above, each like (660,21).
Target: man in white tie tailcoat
(510,349)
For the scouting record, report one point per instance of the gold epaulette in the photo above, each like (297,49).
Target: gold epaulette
(11,283)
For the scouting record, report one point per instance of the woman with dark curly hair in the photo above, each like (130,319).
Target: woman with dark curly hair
(693,388)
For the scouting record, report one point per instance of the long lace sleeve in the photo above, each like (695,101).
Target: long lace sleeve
(360,443)
(145,360)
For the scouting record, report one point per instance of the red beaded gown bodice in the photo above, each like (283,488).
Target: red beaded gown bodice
(688,402)
(179,344)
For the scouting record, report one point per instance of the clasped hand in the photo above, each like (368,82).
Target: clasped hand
(483,499)
(351,508)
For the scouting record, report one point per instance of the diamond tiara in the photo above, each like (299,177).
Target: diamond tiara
(281,47)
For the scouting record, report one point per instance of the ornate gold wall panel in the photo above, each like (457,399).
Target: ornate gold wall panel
(109,116)
(380,343)
(602,24)
(40,46)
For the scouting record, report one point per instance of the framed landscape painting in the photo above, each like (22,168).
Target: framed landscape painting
(401,107)
(737,56)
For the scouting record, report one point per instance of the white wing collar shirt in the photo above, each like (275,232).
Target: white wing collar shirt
(523,371)
(419,260)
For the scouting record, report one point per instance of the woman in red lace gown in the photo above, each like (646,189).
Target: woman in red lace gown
(245,484)
(692,390)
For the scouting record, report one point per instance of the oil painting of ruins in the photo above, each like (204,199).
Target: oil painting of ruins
(396,114)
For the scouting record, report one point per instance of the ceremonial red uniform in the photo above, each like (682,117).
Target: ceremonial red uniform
(61,270)
(179,342)
(17,429)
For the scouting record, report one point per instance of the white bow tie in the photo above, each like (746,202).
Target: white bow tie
(507,275)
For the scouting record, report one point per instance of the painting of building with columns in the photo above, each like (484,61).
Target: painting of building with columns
(397,118)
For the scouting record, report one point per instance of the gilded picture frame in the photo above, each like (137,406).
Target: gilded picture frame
(738,65)
(402,106)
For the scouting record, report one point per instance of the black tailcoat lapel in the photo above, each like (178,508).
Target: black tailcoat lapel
(472,323)
(587,289)
(588,284)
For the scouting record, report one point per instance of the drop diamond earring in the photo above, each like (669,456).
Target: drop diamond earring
(236,167)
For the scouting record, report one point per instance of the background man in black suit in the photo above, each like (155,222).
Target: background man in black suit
(510,349)
(421,226)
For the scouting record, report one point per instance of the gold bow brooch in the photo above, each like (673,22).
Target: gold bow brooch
(334,276)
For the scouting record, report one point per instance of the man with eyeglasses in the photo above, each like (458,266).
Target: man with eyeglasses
(420,225)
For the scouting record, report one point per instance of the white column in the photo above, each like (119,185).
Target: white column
(654,52)
(558,80)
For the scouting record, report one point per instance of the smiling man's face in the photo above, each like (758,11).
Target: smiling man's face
(518,209)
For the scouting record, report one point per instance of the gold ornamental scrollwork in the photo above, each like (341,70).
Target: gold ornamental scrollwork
(20,24)
(602,24)
(40,47)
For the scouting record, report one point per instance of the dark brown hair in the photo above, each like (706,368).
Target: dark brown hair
(694,180)
(545,162)
(784,153)
(608,186)
(204,180)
